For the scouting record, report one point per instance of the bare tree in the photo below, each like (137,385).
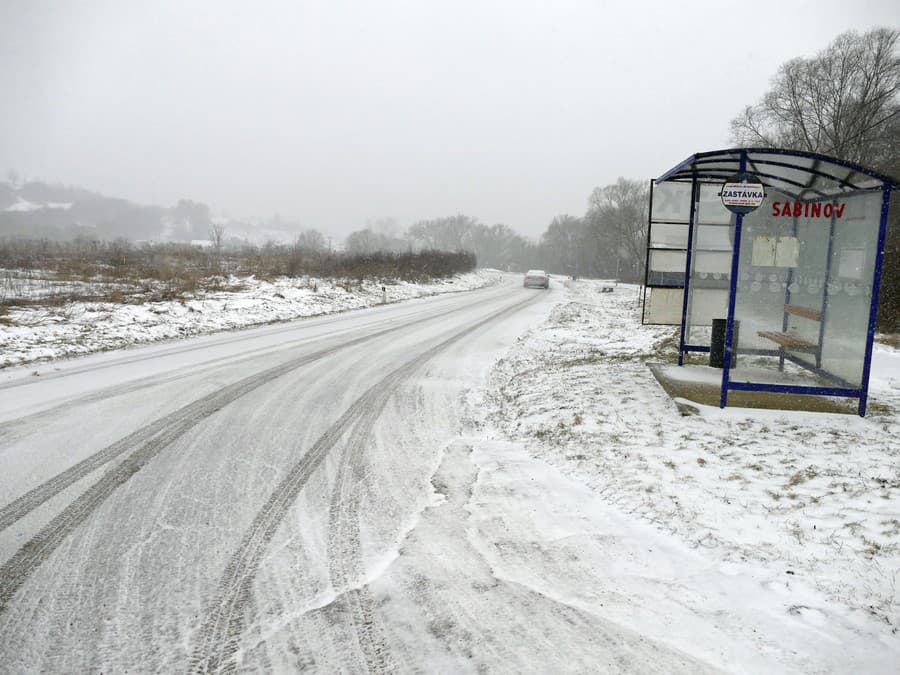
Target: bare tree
(562,246)
(362,242)
(500,247)
(216,234)
(842,102)
(453,233)
(387,226)
(311,241)
(619,214)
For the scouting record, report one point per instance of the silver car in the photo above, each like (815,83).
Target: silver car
(537,279)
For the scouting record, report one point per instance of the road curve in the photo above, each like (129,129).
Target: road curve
(155,523)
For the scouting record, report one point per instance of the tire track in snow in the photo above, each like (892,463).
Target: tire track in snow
(140,439)
(143,445)
(17,428)
(345,564)
(219,636)
(198,410)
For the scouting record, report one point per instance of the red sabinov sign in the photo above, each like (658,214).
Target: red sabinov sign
(808,209)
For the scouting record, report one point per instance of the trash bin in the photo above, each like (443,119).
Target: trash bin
(717,343)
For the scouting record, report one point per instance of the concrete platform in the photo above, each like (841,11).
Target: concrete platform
(702,384)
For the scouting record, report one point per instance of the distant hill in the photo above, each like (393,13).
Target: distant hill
(44,210)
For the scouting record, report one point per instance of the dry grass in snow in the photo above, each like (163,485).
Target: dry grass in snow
(809,494)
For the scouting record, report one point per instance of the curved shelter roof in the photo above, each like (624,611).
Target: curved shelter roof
(802,175)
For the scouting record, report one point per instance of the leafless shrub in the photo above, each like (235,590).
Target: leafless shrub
(119,271)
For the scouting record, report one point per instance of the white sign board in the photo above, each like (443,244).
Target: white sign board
(742,197)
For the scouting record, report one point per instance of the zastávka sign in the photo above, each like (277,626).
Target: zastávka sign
(742,193)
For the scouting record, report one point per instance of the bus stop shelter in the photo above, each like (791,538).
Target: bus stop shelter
(773,259)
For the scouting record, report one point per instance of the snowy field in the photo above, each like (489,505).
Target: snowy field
(43,332)
(802,507)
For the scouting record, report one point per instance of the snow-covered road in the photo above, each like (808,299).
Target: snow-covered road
(331,495)
(158,503)
(231,500)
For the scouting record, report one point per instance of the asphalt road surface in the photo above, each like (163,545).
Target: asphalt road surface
(289,498)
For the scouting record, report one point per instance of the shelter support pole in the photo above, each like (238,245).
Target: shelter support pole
(729,330)
(732,296)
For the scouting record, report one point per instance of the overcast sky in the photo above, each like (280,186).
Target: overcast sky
(339,112)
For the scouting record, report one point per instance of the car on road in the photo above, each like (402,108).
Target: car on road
(537,279)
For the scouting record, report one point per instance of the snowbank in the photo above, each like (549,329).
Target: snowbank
(43,332)
(810,498)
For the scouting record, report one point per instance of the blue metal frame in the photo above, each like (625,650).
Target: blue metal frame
(681,165)
(796,389)
(743,153)
(802,364)
(819,371)
(732,296)
(688,170)
(814,172)
(725,172)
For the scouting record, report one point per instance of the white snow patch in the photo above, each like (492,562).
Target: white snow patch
(801,506)
(557,537)
(43,332)
(23,205)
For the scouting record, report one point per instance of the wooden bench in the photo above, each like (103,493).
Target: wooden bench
(805,312)
(791,343)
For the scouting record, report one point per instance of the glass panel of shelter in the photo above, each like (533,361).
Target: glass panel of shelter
(804,289)
(848,287)
(780,264)
(667,252)
(710,266)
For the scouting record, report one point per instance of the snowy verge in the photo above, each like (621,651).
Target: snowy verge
(809,496)
(45,332)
